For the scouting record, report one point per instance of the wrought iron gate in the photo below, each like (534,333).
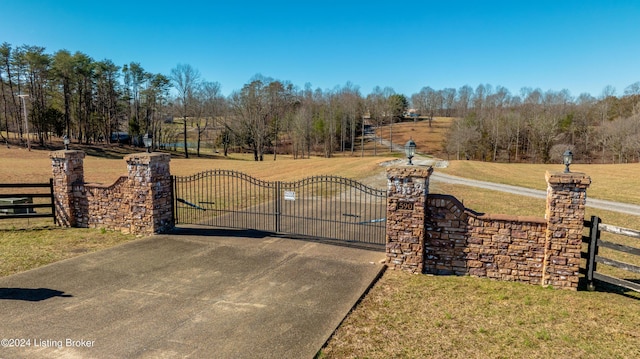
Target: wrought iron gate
(327,207)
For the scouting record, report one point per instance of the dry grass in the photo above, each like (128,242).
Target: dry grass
(429,139)
(419,316)
(285,168)
(615,182)
(19,165)
(488,201)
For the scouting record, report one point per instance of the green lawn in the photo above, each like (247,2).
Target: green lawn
(43,243)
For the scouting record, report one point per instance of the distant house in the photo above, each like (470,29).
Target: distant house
(120,137)
(412,112)
(368,129)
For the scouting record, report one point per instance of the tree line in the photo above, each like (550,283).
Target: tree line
(93,101)
(98,101)
(74,95)
(537,126)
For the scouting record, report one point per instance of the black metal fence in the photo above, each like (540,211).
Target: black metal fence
(622,252)
(323,207)
(16,202)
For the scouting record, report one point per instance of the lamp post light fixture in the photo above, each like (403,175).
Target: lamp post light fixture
(26,121)
(148,141)
(410,150)
(567,158)
(66,141)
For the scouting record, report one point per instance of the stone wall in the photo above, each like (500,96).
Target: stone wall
(461,241)
(456,240)
(139,203)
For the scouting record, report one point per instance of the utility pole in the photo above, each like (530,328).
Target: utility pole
(26,121)
(362,139)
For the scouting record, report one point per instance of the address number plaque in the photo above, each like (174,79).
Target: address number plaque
(405,205)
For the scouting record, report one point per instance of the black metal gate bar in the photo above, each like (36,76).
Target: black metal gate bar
(327,207)
(278,207)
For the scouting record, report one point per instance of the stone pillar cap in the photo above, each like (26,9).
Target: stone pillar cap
(66,153)
(148,157)
(409,171)
(571,177)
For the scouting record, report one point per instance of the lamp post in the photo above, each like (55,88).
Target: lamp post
(148,141)
(410,150)
(66,141)
(26,121)
(567,158)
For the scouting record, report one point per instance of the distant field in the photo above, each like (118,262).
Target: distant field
(20,165)
(429,140)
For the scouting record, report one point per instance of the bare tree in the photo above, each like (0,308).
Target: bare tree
(622,138)
(353,110)
(259,107)
(462,139)
(156,96)
(427,102)
(185,80)
(107,93)
(633,89)
(465,93)
(604,105)
(208,107)
(377,111)
(448,101)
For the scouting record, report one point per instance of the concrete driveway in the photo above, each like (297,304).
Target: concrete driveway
(186,295)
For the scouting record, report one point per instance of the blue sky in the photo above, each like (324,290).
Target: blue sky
(581,46)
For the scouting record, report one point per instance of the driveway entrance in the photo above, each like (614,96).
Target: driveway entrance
(197,293)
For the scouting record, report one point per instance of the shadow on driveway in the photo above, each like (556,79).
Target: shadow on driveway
(31,295)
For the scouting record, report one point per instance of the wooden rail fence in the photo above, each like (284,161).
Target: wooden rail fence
(20,204)
(593,258)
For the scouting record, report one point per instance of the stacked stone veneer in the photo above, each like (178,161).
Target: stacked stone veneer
(461,241)
(444,237)
(566,200)
(406,228)
(139,203)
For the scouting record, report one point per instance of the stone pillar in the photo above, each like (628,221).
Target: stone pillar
(407,189)
(566,199)
(151,187)
(68,179)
